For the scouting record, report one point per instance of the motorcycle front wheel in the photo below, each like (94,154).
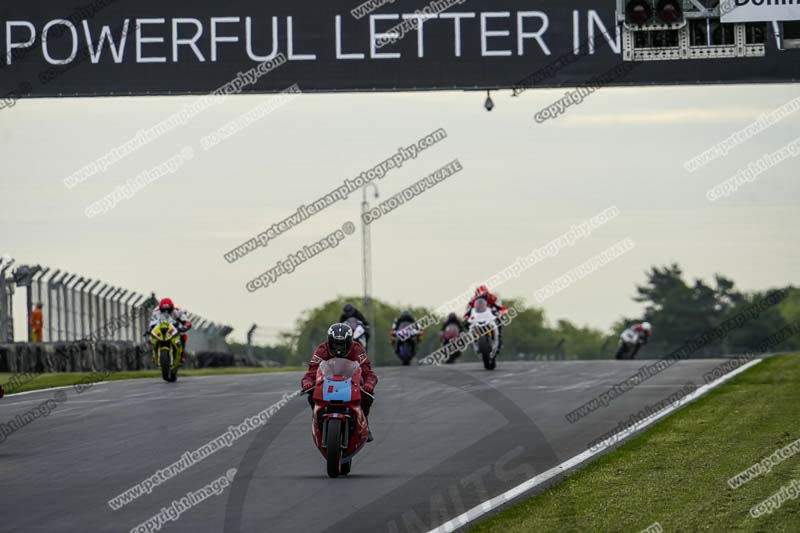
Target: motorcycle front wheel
(165,363)
(621,352)
(485,349)
(334,444)
(405,353)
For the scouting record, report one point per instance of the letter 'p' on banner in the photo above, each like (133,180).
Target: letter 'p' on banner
(51,48)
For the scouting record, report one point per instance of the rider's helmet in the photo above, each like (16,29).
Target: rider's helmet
(483,290)
(166,305)
(340,338)
(647,327)
(451,317)
(348,309)
(405,315)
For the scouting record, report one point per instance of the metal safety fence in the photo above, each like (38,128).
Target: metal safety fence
(75,307)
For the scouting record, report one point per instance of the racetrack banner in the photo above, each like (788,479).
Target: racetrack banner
(125,47)
(760,10)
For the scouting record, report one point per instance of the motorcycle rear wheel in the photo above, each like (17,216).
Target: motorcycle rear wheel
(334,443)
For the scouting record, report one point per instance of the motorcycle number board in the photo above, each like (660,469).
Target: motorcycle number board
(337,390)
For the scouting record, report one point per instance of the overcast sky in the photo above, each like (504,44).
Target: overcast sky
(522,185)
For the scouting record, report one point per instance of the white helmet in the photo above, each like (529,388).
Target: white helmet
(646,327)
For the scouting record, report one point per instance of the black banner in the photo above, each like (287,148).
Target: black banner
(120,47)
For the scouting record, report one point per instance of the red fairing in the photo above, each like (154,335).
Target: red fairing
(358,435)
(349,411)
(356,353)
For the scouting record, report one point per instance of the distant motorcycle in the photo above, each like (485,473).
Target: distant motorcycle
(450,334)
(167,349)
(482,324)
(630,343)
(406,343)
(338,426)
(359,331)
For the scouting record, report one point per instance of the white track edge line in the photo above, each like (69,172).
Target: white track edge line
(15,394)
(483,508)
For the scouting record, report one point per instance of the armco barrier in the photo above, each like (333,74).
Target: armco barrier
(112,356)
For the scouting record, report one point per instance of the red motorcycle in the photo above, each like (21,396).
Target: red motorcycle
(450,334)
(339,426)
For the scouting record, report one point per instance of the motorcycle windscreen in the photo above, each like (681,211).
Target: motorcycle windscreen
(353,323)
(404,330)
(451,331)
(357,326)
(482,317)
(337,383)
(338,367)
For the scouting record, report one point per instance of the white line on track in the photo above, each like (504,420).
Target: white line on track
(123,381)
(14,394)
(138,394)
(67,411)
(483,508)
(99,400)
(23,402)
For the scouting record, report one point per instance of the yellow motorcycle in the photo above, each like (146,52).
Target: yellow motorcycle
(167,349)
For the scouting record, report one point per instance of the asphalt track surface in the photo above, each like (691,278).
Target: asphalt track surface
(446,439)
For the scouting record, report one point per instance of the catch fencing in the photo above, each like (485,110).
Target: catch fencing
(76,307)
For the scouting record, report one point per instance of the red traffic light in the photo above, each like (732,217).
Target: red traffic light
(638,12)
(669,11)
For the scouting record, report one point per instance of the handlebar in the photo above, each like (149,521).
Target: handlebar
(368,394)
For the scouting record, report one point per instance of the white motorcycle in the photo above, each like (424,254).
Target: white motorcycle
(482,324)
(359,331)
(630,342)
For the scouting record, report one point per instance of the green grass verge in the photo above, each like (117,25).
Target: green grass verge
(676,472)
(59,379)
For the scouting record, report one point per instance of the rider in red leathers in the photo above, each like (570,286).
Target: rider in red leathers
(495,305)
(632,339)
(340,344)
(494,302)
(166,310)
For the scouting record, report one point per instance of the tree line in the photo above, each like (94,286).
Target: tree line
(679,311)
